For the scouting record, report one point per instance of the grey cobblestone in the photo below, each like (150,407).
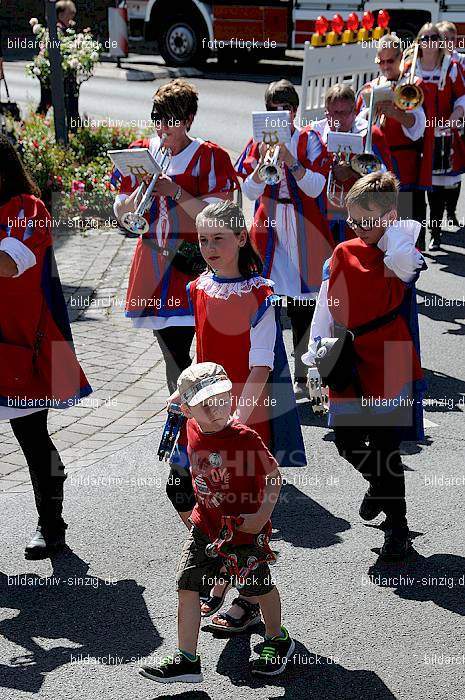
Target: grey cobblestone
(124,365)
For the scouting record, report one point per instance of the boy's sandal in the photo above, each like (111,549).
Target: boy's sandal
(211,604)
(250,617)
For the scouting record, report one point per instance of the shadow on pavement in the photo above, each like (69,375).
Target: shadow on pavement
(308,676)
(188,695)
(303,522)
(439,308)
(439,579)
(444,392)
(80,618)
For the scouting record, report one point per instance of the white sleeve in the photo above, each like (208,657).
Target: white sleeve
(416,131)
(400,253)
(312,183)
(20,253)
(322,324)
(262,341)
(252,190)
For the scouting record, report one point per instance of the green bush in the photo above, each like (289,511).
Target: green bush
(80,172)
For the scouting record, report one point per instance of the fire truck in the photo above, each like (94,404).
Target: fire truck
(189,31)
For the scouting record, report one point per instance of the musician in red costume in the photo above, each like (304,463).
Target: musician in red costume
(290,230)
(368,287)
(403,131)
(38,365)
(443,84)
(341,115)
(449,34)
(167,256)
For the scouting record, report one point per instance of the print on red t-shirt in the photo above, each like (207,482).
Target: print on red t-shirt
(229,470)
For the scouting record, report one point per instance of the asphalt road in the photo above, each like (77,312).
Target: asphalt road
(364,631)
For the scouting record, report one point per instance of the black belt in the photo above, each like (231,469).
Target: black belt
(284,200)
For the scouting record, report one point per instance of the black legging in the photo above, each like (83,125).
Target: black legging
(437,198)
(379,463)
(175,344)
(45,467)
(300,314)
(412,205)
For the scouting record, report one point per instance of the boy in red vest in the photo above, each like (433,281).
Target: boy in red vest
(368,288)
(233,475)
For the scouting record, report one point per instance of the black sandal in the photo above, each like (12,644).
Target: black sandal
(214,602)
(250,617)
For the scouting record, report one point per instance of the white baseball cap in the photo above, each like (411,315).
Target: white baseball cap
(202,381)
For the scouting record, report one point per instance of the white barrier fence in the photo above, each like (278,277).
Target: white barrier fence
(352,64)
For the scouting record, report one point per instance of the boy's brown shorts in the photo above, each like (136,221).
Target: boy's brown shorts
(197,572)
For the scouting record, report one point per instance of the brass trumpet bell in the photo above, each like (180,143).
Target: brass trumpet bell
(271,171)
(408,96)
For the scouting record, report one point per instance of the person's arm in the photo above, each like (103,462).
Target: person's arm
(322,325)
(255,522)
(15,257)
(311,182)
(401,257)
(261,362)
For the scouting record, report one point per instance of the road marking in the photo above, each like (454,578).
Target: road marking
(429,423)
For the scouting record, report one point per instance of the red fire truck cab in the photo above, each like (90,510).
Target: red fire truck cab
(189,31)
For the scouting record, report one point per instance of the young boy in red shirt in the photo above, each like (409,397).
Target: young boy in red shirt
(233,474)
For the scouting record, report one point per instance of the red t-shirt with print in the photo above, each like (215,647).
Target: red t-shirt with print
(229,471)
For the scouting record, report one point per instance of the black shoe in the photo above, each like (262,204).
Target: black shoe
(174,669)
(45,542)
(371,506)
(421,244)
(435,244)
(397,544)
(274,655)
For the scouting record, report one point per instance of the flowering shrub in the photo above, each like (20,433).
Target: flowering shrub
(80,172)
(79,53)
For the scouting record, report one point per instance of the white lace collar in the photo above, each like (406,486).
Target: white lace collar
(222,288)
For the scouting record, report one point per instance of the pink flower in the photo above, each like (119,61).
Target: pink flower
(78,186)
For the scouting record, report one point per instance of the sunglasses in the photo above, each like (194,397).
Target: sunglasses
(429,37)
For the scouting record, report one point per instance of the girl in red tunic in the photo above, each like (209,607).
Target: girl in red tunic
(370,278)
(166,257)
(38,366)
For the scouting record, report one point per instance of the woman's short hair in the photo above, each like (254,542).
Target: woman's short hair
(177,100)
(340,91)
(379,190)
(281,92)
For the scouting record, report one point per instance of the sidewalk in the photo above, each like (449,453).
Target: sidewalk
(123,365)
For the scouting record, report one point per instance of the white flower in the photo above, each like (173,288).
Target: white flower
(73,63)
(36,29)
(94,56)
(36,71)
(33,21)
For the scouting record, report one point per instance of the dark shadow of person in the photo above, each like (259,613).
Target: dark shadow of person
(187,695)
(443,309)
(92,620)
(302,521)
(308,676)
(439,578)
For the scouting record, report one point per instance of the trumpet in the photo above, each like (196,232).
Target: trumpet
(135,221)
(271,171)
(366,162)
(407,95)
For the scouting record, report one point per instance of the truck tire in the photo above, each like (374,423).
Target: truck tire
(181,40)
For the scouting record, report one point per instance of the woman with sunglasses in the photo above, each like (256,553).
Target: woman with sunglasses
(443,84)
(403,132)
(167,256)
